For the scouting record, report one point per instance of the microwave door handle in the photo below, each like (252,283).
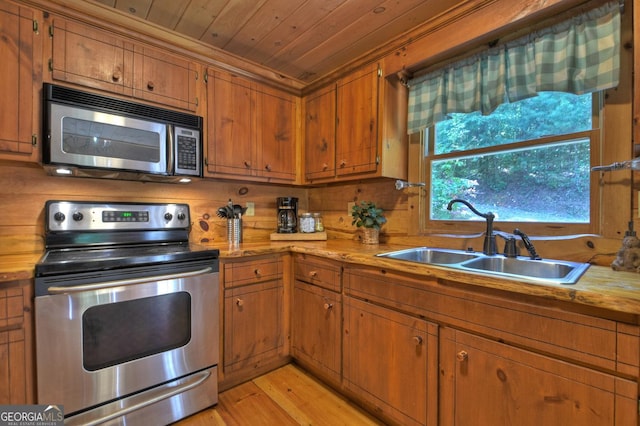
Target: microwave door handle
(171,130)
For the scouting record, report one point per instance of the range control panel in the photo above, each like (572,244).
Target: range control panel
(98,216)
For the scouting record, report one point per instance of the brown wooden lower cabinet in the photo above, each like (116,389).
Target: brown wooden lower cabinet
(16,343)
(316,330)
(389,360)
(490,358)
(485,382)
(253,317)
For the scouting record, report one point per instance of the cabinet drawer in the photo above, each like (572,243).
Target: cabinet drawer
(321,272)
(244,273)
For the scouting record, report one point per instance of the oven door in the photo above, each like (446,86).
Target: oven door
(101,341)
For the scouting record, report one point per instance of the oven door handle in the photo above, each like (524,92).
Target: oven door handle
(118,283)
(167,391)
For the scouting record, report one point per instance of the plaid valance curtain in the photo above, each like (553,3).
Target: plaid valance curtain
(581,55)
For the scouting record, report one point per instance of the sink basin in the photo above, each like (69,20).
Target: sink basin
(545,270)
(431,255)
(556,270)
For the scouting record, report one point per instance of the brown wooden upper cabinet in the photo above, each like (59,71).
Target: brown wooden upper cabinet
(251,130)
(21,53)
(101,60)
(356,128)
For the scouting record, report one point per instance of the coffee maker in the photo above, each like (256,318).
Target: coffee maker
(287,215)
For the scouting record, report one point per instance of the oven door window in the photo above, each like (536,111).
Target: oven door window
(115,333)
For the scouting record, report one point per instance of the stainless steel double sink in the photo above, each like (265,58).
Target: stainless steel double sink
(544,270)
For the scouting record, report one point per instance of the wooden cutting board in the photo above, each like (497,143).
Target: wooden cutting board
(299,236)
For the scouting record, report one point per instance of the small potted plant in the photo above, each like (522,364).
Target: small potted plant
(369,217)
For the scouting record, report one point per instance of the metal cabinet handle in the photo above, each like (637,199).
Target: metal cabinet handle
(239,302)
(328,306)
(257,272)
(268,167)
(343,163)
(417,340)
(150,85)
(462,356)
(313,274)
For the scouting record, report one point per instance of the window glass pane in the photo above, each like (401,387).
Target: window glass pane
(549,113)
(545,183)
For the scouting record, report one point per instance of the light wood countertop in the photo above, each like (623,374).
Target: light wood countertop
(599,287)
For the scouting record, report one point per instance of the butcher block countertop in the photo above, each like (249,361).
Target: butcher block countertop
(600,287)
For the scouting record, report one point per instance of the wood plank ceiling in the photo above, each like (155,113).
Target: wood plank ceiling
(300,39)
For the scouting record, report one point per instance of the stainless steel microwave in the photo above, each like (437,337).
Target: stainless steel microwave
(97,136)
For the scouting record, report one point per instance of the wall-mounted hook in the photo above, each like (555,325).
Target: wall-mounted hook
(400,184)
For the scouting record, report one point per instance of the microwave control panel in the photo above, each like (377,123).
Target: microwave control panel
(187,153)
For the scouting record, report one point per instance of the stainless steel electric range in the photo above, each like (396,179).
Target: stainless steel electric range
(126,314)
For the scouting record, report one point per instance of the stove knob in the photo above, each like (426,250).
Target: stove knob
(181,216)
(168,216)
(77,216)
(59,217)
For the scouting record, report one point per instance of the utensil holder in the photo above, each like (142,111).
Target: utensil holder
(234,231)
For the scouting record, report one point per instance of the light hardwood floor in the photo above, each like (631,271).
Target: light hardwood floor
(286,396)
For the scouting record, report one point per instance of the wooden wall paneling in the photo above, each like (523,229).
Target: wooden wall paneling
(618,142)
(332,201)
(25,189)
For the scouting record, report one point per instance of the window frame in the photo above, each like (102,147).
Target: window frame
(425,140)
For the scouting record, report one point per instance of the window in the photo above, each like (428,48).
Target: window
(528,161)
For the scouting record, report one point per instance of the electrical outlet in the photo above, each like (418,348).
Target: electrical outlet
(251,209)
(349,207)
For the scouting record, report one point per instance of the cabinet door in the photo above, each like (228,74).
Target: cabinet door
(91,57)
(490,383)
(165,79)
(316,329)
(231,116)
(20,82)
(252,324)
(276,135)
(385,360)
(16,356)
(320,134)
(357,124)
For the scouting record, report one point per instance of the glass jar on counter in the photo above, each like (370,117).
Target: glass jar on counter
(307,224)
(317,218)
